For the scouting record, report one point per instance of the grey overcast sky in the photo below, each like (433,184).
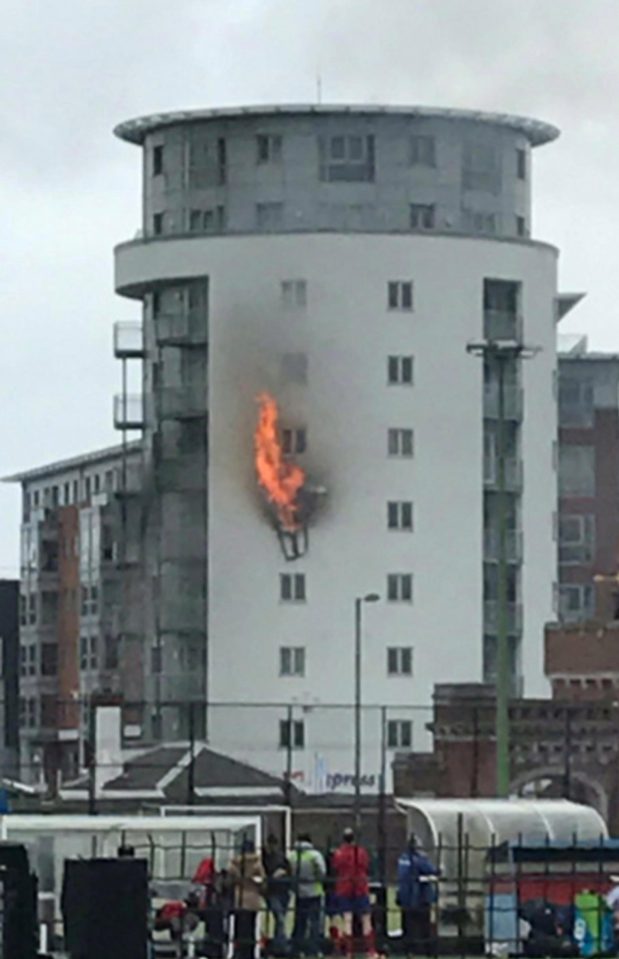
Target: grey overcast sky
(72,69)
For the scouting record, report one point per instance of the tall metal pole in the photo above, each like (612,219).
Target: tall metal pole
(357,710)
(502,666)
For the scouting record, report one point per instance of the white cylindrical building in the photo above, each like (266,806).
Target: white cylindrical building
(342,259)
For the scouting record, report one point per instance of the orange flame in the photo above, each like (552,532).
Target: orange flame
(279,478)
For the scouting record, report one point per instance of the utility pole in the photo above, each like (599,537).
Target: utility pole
(359,601)
(498,353)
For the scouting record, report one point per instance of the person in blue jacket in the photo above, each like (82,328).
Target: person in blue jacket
(417,892)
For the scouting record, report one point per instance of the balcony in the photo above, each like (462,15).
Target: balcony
(502,325)
(128,340)
(512,402)
(129,411)
(513,545)
(181,331)
(513,474)
(182,403)
(491,617)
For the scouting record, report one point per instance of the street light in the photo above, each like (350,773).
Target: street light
(498,353)
(359,601)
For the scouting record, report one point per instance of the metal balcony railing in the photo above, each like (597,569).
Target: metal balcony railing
(513,474)
(502,325)
(181,403)
(181,331)
(491,617)
(129,411)
(513,545)
(512,402)
(128,340)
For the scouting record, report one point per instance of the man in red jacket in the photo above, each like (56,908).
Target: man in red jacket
(351,866)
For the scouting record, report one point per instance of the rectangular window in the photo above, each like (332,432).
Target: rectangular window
(294,294)
(268,148)
(195,220)
(94,652)
(400,587)
(269,216)
(111,648)
(421,216)
(400,370)
(294,441)
(576,538)
(481,167)
(475,221)
(49,659)
(521,226)
(521,164)
(222,161)
(157,223)
(83,652)
(400,661)
(157,160)
(291,734)
(67,494)
(576,470)
(294,368)
(292,587)
(209,221)
(576,602)
(76,491)
(400,515)
(156,659)
(400,295)
(576,401)
(346,159)
(400,442)
(422,151)
(292,661)
(399,734)
(220,218)
(32,609)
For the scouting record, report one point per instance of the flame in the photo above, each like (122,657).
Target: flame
(279,478)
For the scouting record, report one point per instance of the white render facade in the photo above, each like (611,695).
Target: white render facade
(291,289)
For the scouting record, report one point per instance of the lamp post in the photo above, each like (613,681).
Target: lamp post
(498,353)
(359,601)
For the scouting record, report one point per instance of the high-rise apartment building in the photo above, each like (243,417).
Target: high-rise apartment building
(341,260)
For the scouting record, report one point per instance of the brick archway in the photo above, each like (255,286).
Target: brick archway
(591,787)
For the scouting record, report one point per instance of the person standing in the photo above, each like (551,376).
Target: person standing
(277,871)
(307,871)
(416,894)
(246,876)
(351,867)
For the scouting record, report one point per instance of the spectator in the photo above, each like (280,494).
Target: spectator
(277,871)
(415,897)
(351,866)
(308,870)
(246,877)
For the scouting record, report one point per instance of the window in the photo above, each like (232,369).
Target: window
(399,734)
(195,220)
(35,498)
(400,515)
(27,712)
(475,221)
(521,226)
(576,602)
(400,661)
(23,612)
(32,609)
(576,401)
(76,491)
(294,294)
(346,159)
(400,442)
(292,587)
(49,659)
(83,652)
(400,370)
(422,151)
(96,482)
(521,164)
(220,218)
(93,661)
(400,295)
(269,216)
(111,657)
(422,216)
(27,660)
(67,493)
(294,368)
(294,441)
(90,600)
(576,538)
(157,160)
(292,661)
(481,167)
(156,659)
(268,148)
(576,470)
(291,734)
(222,160)
(400,587)
(157,223)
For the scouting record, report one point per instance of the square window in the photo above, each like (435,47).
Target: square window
(400,442)
(400,587)
(294,441)
(291,734)
(400,661)
(400,515)
(157,160)
(292,661)
(422,151)
(422,216)
(294,294)
(292,587)
(268,148)
(400,370)
(400,295)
